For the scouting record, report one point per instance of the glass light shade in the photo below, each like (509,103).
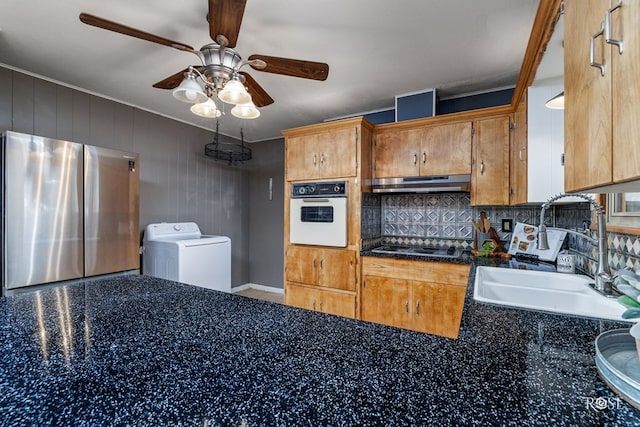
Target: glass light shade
(557,102)
(234,93)
(189,91)
(245,111)
(206,109)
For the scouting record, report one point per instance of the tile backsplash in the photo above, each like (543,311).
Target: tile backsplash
(435,219)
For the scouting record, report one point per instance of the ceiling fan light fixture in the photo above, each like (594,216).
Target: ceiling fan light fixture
(189,90)
(245,111)
(207,109)
(234,92)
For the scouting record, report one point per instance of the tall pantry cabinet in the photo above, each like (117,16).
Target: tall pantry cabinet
(323,278)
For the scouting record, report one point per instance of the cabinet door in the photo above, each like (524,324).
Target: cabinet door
(386,300)
(337,303)
(437,308)
(396,154)
(336,153)
(518,157)
(337,269)
(587,97)
(309,298)
(301,160)
(302,297)
(301,264)
(446,150)
(626,92)
(490,174)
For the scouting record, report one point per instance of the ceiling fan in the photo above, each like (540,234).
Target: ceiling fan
(219,71)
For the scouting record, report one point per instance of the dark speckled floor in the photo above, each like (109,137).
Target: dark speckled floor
(143,351)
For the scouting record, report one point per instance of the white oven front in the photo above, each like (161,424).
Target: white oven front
(319,221)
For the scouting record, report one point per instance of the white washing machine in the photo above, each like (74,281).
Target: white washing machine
(178,251)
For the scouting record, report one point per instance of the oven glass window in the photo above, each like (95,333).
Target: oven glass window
(316,214)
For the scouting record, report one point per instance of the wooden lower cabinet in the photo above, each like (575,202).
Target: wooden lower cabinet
(323,300)
(419,295)
(386,300)
(328,267)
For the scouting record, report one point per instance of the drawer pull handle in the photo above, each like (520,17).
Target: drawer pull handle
(417,308)
(592,49)
(607,28)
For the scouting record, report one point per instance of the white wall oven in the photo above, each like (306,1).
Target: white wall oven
(319,214)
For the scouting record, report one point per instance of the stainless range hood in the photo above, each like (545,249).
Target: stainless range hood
(423,184)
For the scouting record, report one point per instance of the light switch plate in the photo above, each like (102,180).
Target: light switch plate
(507,225)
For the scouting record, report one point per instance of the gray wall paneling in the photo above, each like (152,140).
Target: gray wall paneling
(266,217)
(6,98)
(177,181)
(23,99)
(44,108)
(64,113)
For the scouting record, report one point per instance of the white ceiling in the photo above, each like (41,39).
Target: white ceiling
(376,49)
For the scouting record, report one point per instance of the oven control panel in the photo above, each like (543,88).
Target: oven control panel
(319,189)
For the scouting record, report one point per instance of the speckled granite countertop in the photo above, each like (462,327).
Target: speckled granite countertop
(143,351)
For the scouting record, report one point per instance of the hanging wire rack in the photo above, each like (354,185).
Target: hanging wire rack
(227,151)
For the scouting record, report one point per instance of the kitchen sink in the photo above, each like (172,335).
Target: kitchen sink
(545,291)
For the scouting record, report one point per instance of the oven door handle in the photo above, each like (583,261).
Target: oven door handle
(315,200)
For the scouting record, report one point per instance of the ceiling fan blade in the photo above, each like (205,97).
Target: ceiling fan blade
(129,31)
(292,67)
(174,80)
(225,17)
(259,96)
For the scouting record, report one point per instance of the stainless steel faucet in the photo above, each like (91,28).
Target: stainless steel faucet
(603,278)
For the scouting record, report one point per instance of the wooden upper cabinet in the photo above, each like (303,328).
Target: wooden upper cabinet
(518,157)
(322,155)
(490,175)
(396,154)
(626,93)
(587,98)
(602,106)
(424,151)
(446,149)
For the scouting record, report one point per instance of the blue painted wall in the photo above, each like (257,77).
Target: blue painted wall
(474,102)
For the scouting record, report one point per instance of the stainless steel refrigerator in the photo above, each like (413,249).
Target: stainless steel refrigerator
(68,210)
